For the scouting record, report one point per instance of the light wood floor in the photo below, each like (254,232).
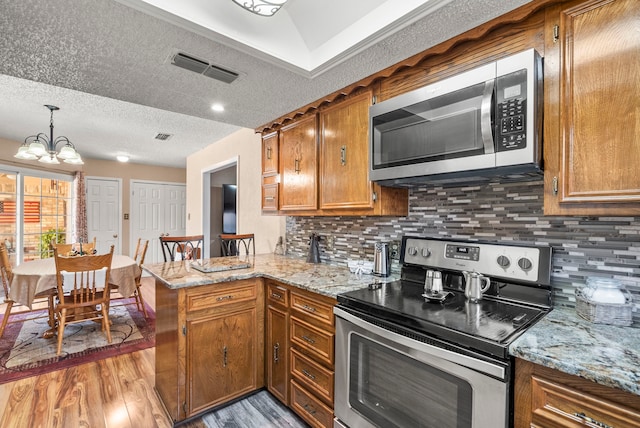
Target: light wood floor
(112,393)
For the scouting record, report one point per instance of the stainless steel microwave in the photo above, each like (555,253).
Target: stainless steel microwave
(481,123)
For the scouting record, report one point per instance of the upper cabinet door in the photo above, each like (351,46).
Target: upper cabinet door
(299,166)
(344,154)
(270,154)
(592,108)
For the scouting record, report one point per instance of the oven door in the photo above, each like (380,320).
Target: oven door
(385,379)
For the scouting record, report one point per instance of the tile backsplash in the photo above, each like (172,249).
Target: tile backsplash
(583,247)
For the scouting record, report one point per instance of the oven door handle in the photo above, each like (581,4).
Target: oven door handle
(481,366)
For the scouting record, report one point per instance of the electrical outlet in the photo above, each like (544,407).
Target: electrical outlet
(394,250)
(330,240)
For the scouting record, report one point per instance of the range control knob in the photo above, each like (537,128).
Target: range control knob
(525,264)
(412,251)
(426,252)
(503,262)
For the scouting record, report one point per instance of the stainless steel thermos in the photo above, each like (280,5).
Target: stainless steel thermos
(381,265)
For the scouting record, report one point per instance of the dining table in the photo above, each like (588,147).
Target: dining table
(36,276)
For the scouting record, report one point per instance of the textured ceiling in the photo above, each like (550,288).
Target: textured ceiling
(106,64)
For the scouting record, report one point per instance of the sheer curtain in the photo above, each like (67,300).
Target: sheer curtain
(80,215)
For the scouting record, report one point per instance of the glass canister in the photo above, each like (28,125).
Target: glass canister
(604,290)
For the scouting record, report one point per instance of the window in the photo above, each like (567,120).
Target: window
(35,210)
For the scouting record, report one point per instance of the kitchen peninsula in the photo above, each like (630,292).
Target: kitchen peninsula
(193,306)
(212,328)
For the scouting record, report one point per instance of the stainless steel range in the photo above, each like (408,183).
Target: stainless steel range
(431,349)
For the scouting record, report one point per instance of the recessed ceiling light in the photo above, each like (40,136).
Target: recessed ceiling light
(217,107)
(122,158)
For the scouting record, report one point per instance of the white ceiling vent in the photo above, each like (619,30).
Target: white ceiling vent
(205,68)
(163,137)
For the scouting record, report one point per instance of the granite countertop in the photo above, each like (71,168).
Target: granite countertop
(322,278)
(605,354)
(562,340)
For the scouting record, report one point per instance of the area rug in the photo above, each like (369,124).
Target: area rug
(24,352)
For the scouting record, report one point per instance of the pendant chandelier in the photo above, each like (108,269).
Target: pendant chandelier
(42,148)
(261,7)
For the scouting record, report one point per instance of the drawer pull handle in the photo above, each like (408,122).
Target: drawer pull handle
(309,308)
(308,339)
(586,418)
(224,356)
(276,347)
(309,409)
(276,296)
(221,298)
(307,374)
(269,198)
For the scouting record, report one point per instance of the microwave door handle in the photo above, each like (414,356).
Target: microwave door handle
(485,117)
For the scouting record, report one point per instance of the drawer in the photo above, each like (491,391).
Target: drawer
(312,309)
(212,296)
(270,197)
(560,405)
(309,408)
(277,295)
(312,376)
(311,340)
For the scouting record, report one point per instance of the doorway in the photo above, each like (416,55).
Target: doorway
(156,209)
(104,212)
(220,201)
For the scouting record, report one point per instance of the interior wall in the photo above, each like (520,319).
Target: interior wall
(102,168)
(246,146)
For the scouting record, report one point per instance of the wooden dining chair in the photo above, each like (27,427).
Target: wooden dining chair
(6,275)
(181,247)
(139,255)
(83,291)
(235,245)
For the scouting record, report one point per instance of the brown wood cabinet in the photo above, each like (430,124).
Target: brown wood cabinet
(592,88)
(298,188)
(209,345)
(277,341)
(344,158)
(330,176)
(270,169)
(548,398)
(308,355)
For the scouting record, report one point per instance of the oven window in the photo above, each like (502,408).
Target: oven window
(392,389)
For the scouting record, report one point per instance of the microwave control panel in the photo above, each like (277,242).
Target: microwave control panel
(511,114)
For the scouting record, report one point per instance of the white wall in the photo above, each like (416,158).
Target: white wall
(246,146)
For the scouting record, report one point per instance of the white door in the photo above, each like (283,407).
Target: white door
(103,213)
(156,209)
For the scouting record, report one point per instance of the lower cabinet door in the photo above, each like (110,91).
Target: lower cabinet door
(277,354)
(220,358)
